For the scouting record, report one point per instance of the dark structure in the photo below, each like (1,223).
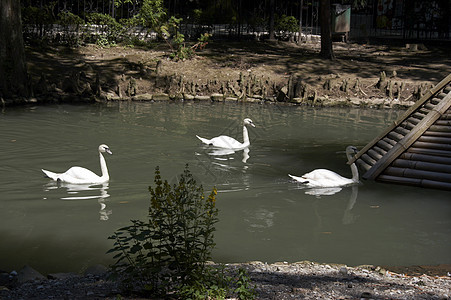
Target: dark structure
(416,149)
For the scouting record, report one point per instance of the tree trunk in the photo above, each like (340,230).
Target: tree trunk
(271,19)
(301,6)
(13,71)
(326,30)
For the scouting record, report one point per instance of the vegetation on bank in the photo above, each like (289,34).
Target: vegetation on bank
(168,253)
(152,24)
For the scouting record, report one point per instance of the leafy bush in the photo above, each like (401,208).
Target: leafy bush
(170,250)
(152,14)
(37,23)
(243,289)
(110,29)
(71,27)
(286,25)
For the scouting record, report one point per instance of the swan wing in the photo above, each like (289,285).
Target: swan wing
(81,173)
(323,178)
(222,141)
(322,174)
(76,175)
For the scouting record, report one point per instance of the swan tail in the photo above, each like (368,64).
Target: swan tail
(51,175)
(299,179)
(205,141)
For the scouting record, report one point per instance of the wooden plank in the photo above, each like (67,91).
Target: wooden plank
(409,139)
(430,93)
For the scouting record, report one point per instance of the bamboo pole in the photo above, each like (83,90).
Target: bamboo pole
(420,174)
(421,165)
(416,182)
(426,158)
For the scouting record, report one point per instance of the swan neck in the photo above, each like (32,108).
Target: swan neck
(103,167)
(245,136)
(355,173)
(354,170)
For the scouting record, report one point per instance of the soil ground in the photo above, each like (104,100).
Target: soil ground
(352,76)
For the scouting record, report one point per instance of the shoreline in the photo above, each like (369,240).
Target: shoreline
(363,75)
(280,280)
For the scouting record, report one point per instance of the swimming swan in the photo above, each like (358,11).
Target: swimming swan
(224,141)
(327,178)
(79,175)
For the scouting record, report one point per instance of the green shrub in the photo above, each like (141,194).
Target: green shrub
(71,28)
(287,24)
(243,289)
(169,251)
(110,29)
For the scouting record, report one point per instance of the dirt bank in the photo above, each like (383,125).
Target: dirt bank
(240,71)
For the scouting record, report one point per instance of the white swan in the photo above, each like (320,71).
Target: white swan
(327,178)
(224,141)
(79,175)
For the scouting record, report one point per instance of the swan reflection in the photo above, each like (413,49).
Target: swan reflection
(85,192)
(323,191)
(348,216)
(224,169)
(226,154)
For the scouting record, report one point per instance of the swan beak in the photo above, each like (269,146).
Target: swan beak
(252,124)
(107,150)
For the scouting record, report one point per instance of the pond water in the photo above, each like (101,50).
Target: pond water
(263,214)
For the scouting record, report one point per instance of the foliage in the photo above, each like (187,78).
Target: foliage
(356,3)
(40,19)
(110,29)
(171,248)
(152,14)
(169,32)
(202,41)
(71,26)
(286,24)
(38,16)
(243,290)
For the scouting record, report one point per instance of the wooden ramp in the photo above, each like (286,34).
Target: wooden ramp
(416,149)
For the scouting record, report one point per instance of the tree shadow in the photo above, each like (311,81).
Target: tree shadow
(273,285)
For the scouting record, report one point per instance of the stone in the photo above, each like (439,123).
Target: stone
(217,97)
(27,273)
(343,271)
(143,97)
(188,97)
(231,99)
(160,97)
(202,98)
